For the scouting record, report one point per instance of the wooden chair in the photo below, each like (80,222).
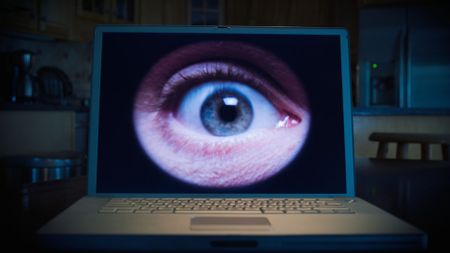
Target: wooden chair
(404,139)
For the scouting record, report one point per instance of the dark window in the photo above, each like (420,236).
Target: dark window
(204,12)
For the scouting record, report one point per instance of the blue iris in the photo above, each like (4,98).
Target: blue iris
(226,112)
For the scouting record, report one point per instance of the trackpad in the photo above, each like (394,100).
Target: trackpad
(230,223)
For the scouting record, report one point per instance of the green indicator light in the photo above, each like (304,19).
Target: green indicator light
(374,65)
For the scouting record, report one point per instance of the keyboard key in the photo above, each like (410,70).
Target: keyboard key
(163,211)
(343,211)
(273,211)
(218,211)
(125,211)
(334,204)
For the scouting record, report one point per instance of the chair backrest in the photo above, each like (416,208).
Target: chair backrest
(404,139)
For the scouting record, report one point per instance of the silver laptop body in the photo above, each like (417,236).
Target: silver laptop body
(219,138)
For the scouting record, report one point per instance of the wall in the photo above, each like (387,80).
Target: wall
(363,126)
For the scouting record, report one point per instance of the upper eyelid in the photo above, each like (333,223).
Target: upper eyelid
(153,97)
(222,75)
(217,73)
(180,83)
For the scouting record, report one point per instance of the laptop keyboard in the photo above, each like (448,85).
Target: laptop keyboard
(226,206)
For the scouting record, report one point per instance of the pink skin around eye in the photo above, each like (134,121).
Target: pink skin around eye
(219,161)
(212,161)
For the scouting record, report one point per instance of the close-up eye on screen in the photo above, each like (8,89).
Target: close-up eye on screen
(221,114)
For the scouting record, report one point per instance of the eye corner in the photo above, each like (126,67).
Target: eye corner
(288,121)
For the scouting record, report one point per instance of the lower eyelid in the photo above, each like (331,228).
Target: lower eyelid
(178,136)
(183,156)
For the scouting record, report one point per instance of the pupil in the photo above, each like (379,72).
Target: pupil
(228,113)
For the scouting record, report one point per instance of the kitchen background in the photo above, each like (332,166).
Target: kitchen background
(400,62)
(72,57)
(22,119)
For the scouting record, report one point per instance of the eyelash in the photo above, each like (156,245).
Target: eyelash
(172,97)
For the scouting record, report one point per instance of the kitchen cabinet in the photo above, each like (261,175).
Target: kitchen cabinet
(108,11)
(55,18)
(124,11)
(167,12)
(47,17)
(24,132)
(157,12)
(76,19)
(21,15)
(96,11)
(90,13)
(70,20)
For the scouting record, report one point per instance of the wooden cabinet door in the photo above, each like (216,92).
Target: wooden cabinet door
(124,11)
(98,11)
(55,18)
(19,15)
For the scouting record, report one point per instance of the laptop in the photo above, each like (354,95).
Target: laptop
(222,138)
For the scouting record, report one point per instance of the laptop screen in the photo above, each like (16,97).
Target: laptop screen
(218,112)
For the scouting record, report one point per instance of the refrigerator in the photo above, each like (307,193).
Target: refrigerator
(404,57)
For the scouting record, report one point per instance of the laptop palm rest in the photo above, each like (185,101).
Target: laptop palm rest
(230,223)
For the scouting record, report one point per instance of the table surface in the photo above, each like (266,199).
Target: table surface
(416,191)
(400,167)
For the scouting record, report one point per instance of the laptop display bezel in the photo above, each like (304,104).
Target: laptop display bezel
(95,100)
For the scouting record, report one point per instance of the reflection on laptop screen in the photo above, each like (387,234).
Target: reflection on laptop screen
(220,113)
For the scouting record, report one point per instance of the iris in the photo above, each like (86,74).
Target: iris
(226,112)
